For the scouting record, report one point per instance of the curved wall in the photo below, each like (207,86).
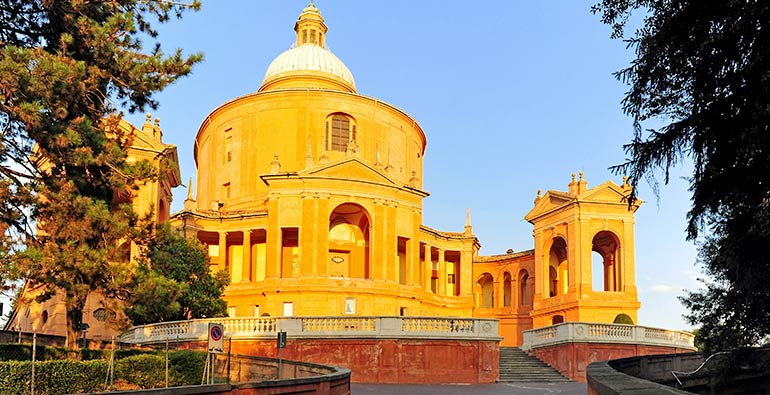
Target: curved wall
(237,142)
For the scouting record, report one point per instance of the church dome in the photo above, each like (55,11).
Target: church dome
(309,64)
(309,60)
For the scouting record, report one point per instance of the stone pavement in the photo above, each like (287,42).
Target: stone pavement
(480,389)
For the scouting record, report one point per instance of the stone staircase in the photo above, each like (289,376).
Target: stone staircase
(518,366)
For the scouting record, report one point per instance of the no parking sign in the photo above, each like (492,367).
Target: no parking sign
(216,338)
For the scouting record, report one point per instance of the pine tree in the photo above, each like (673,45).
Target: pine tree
(702,70)
(66,69)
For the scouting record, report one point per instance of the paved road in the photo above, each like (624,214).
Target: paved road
(481,389)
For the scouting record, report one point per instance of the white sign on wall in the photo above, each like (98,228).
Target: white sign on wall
(216,338)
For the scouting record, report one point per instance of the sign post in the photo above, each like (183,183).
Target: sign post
(216,345)
(281,346)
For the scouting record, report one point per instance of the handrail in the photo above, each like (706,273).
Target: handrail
(318,327)
(586,332)
(674,372)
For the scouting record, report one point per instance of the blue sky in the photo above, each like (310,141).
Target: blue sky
(513,97)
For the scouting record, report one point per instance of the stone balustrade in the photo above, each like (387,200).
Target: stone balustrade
(318,327)
(580,332)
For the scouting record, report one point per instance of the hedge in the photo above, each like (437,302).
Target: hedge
(68,376)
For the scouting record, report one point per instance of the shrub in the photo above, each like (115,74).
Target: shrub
(52,377)
(146,371)
(623,319)
(187,366)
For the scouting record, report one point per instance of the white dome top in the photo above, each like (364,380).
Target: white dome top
(309,58)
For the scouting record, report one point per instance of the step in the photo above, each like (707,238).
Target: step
(518,366)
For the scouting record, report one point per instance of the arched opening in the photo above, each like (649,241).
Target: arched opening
(557,319)
(349,242)
(524,291)
(623,319)
(506,290)
(606,244)
(486,283)
(597,271)
(558,267)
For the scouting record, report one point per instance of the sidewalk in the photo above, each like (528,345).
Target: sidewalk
(480,389)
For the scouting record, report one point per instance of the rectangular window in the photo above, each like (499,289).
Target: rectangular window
(288,309)
(226,186)
(231,311)
(256,310)
(340,133)
(228,145)
(304,36)
(350,306)
(289,252)
(450,278)
(402,260)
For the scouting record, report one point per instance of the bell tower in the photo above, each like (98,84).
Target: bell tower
(584,254)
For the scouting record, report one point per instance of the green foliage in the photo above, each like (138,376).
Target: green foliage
(52,377)
(146,370)
(188,366)
(176,270)
(67,67)
(623,319)
(702,69)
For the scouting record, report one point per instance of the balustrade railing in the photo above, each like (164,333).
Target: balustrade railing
(581,332)
(318,327)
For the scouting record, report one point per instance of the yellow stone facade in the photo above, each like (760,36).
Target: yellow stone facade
(309,195)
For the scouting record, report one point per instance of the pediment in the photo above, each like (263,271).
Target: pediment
(351,169)
(608,192)
(552,200)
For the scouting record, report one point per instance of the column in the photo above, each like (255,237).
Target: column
(321,236)
(246,257)
(427,268)
(466,271)
(273,253)
(441,273)
(391,243)
(222,264)
(307,249)
(378,241)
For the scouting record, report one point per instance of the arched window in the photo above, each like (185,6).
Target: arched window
(487,286)
(606,244)
(340,131)
(558,268)
(524,292)
(506,290)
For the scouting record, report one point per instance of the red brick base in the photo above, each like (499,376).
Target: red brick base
(571,359)
(403,361)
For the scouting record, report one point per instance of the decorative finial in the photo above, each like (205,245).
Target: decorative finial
(539,195)
(625,182)
(275,165)
(573,177)
(189,190)
(581,176)
(189,203)
(468,231)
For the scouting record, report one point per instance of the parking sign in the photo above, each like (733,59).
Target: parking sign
(216,338)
